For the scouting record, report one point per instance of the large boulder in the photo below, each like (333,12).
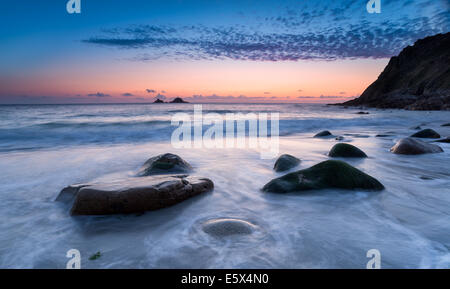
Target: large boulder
(411,146)
(345,150)
(324,133)
(164,164)
(285,162)
(327,174)
(426,133)
(133,195)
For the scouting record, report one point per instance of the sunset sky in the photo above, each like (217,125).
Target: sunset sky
(204,51)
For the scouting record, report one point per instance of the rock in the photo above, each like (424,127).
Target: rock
(164,164)
(327,174)
(417,79)
(357,135)
(426,133)
(383,135)
(339,138)
(444,140)
(323,133)
(362,112)
(227,227)
(133,195)
(178,100)
(158,101)
(446,124)
(345,150)
(285,162)
(417,127)
(411,146)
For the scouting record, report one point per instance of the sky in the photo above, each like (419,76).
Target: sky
(204,51)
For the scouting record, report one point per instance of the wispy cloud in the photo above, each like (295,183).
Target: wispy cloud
(321,33)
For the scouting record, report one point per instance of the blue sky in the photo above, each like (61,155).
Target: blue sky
(40,37)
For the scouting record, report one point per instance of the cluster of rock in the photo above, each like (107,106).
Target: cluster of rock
(339,174)
(156,186)
(164,180)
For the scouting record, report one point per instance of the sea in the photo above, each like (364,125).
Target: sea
(44,148)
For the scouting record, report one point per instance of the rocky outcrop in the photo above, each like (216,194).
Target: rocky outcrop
(133,195)
(426,133)
(345,150)
(158,101)
(417,79)
(285,162)
(327,174)
(178,100)
(411,146)
(164,164)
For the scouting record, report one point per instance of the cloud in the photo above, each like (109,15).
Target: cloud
(150,90)
(160,96)
(163,91)
(267,92)
(328,31)
(127,94)
(99,94)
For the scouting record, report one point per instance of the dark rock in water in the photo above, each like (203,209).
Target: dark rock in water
(357,135)
(327,174)
(417,79)
(426,133)
(158,101)
(417,127)
(323,134)
(383,135)
(178,100)
(444,140)
(426,178)
(339,138)
(411,146)
(446,124)
(362,112)
(164,164)
(134,195)
(345,150)
(285,162)
(227,227)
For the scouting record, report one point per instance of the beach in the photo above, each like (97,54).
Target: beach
(44,148)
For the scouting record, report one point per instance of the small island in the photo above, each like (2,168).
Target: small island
(175,100)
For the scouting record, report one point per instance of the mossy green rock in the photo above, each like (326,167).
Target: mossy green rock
(345,150)
(327,174)
(164,164)
(285,162)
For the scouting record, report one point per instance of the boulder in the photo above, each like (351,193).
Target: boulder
(227,227)
(426,133)
(323,133)
(362,112)
(410,146)
(164,164)
(285,162)
(327,174)
(446,124)
(345,150)
(133,195)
